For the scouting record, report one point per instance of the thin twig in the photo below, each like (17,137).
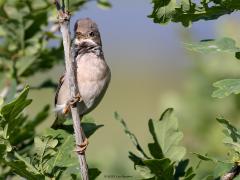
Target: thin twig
(64,18)
(232,173)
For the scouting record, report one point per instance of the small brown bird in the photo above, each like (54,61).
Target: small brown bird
(92,73)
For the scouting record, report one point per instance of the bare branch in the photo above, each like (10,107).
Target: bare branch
(232,173)
(64,18)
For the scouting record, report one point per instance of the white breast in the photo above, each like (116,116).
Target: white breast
(93,76)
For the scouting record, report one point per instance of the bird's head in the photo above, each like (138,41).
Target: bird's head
(86,32)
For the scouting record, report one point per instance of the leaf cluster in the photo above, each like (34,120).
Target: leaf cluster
(166,160)
(225,87)
(29,42)
(24,34)
(189,11)
(47,156)
(232,141)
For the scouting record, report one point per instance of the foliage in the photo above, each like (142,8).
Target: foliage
(232,140)
(188,11)
(32,156)
(226,87)
(167,156)
(26,29)
(25,36)
(224,45)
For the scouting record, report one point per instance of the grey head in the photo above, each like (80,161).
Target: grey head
(86,30)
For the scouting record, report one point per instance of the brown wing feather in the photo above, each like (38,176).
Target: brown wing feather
(57,123)
(61,80)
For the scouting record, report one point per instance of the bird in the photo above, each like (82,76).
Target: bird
(93,74)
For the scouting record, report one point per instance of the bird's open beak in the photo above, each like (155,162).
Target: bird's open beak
(81,42)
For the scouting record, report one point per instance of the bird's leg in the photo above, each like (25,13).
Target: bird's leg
(81,148)
(75,99)
(72,102)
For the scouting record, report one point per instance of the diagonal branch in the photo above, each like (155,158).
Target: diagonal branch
(64,19)
(234,172)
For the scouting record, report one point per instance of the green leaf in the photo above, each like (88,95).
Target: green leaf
(212,159)
(64,156)
(3,149)
(131,136)
(26,131)
(39,19)
(21,169)
(88,124)
(161,168)
(12,109)
(219,45)
(226,87)
(104,4)
(232,132)
(235,146)
(181,168)
(94,173)
(219,170)
(205,158)
(188,11)
(70,173)
(136,160)
(163,10)
(233,136)
(144,171)
(189,174)
(166,137)
(4,140)
(154,148)
(11,114)
(24,63)
(27,163)
(45,149)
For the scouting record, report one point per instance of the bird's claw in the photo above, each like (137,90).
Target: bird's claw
(75,99)
(70,103)
(66,109)
(81,148)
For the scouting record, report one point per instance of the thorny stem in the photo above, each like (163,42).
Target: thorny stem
(64,18)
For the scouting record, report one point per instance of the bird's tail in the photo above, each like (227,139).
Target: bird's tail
(58,123)
(60,118)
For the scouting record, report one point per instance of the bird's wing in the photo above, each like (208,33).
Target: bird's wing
(59,120)
(60,83)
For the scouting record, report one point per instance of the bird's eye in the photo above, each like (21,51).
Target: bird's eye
(91,34)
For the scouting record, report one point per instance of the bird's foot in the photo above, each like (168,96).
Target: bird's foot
(75,99)
(81,148)
(66,109)
(72,102)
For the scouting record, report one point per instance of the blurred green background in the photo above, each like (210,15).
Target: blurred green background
(151,71)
